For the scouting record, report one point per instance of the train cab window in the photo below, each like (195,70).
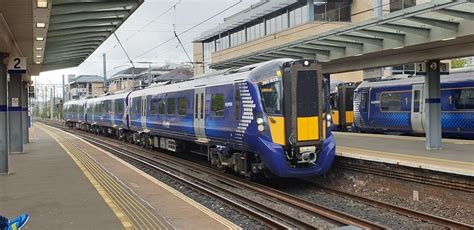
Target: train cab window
(217,105)
(154,106)
(272,97)
(390,102)
(464,99)
(182,105)
(171,105)
(161,106)
(416,101)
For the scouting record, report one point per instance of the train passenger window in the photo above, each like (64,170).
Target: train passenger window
(137,105)
(182,104)
(217,105)
(153,106)
(171,105)
(464,99)
(161,106)
(118,106)
(196,106)
(416,101)
(390,102)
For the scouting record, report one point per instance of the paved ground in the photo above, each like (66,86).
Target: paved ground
(47,184)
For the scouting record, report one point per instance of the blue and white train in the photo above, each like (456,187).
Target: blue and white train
(263,119)
(398,106)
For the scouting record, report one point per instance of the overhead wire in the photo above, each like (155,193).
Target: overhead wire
(187,30)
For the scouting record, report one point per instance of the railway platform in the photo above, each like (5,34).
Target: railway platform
(456,156)
(64,182)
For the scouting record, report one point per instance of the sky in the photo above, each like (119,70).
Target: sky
(144,29)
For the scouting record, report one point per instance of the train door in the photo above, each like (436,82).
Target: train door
(113,113)
(143,109)
(417,108)
(200,115)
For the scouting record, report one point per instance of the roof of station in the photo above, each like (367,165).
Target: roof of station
(77,27)
(87,79)
(245,16)
(438,29)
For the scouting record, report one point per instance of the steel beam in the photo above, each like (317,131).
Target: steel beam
(80,16)
(409,29)
(84,23)
(453,26)
(385,35)
(458,14)
(52,33)
(77,36)
(59,9)
(75,42)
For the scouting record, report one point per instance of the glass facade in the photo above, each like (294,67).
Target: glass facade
(336,10)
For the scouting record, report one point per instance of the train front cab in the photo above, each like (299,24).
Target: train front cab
(342,110)
(301,143)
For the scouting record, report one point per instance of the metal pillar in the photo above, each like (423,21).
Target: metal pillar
(310,10)
(433,105)
(4,138)
(15,89)
(24,112)
(104,70)
(378,10)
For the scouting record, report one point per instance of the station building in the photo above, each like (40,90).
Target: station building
(269,24)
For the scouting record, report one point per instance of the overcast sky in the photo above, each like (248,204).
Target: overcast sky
(137,40)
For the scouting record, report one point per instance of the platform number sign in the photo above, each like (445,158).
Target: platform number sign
(421,68)
(17,65)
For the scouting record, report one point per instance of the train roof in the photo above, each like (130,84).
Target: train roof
(220,78)
(453,77)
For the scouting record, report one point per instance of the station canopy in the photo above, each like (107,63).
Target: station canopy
(440,29)
(77,27)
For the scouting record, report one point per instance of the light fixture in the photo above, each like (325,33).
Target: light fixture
(39,48)
(39,38)
(356,55)
(447,39)
(396,48)
(39,56)
(40,24)
(38,62)
(42,3)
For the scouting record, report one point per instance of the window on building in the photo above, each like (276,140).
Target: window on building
(390,102)
(171,104)
(161,106)
(154,106)
(464,99)
(182,104)
(401,4)
(339,10)
(217,105)
(90,88)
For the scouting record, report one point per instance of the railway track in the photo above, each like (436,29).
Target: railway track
(335,217)
(437,181)
(400,210)
(271,217)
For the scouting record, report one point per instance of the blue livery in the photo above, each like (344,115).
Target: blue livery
(250,120)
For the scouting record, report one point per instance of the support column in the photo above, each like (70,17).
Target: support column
(4,143)
(310,10)
(24,112)
(433,105)
(14,113)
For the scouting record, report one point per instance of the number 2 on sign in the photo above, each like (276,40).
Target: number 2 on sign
(17,63)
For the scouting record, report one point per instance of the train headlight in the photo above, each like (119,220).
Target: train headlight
(328,119)
(260,121)
(306,63)
(261,128)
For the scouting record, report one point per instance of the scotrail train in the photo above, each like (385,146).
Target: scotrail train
(263,119)
(398,106)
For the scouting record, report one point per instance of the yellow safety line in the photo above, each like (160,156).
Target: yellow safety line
(119,213)
(140,215)
(343,149)
(173,191)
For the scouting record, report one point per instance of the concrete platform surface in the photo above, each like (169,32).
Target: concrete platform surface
(456,156)
(64,182)
(47,184)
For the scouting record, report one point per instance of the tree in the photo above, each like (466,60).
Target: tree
(458,63)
